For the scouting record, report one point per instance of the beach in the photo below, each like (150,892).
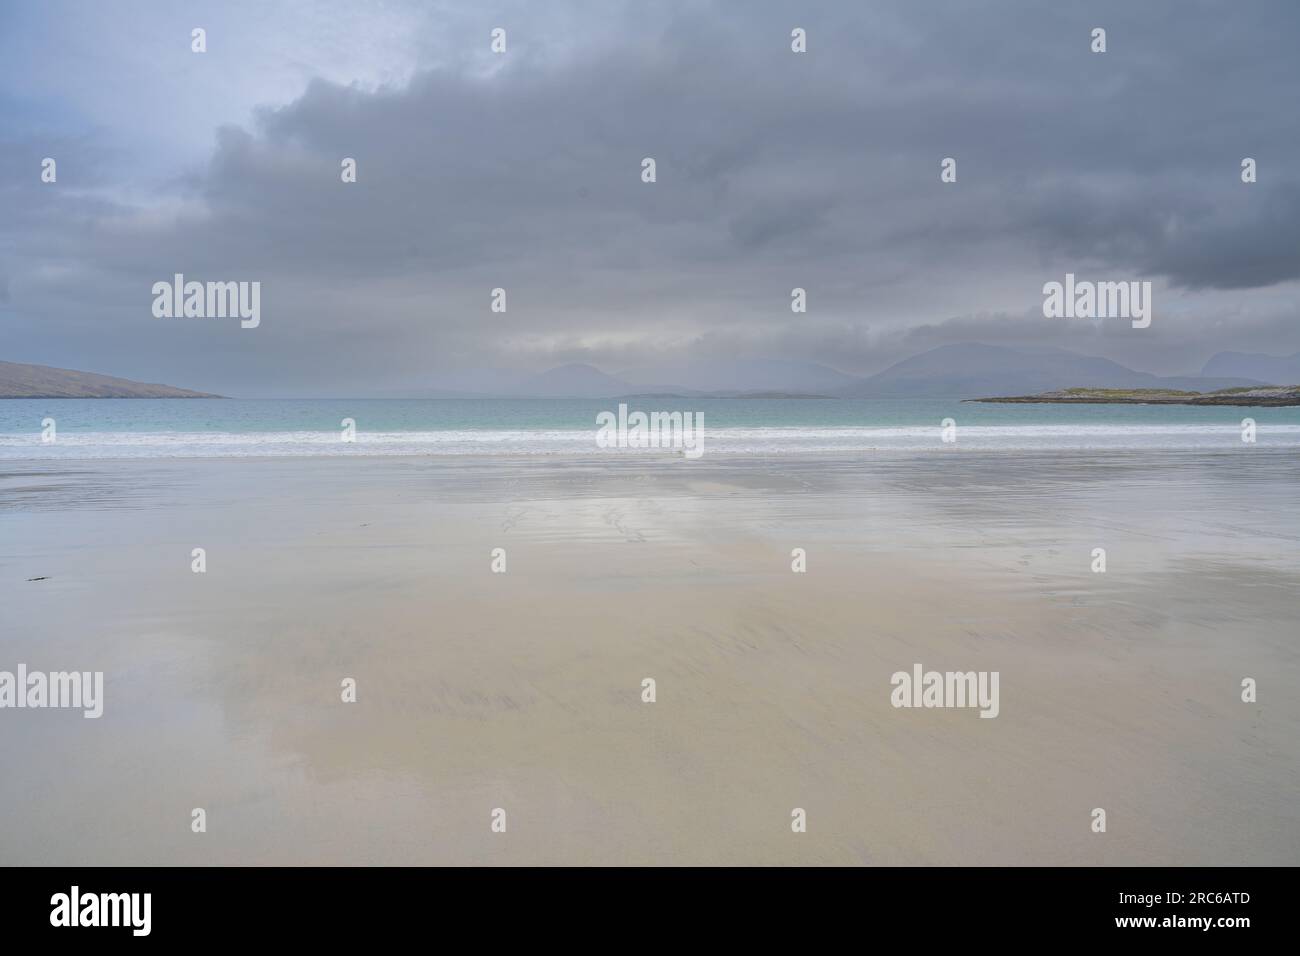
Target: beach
(522,690)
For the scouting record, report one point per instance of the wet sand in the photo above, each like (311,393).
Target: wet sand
(522,690)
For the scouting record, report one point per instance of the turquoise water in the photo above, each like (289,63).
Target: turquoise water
(93,428)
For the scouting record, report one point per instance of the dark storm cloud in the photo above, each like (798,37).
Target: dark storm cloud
(775,170)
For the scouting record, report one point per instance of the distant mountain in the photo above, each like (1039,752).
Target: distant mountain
(573,381)
(973,370)
(966,370)
(736,376)
(41,381)
(1273,369)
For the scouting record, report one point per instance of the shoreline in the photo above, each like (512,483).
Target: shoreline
(655,456)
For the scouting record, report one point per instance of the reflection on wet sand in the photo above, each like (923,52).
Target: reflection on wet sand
(522,690)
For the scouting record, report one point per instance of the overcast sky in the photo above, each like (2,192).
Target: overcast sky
(522,170)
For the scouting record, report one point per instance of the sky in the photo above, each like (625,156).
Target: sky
(522,170)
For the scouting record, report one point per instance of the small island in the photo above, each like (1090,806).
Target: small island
(1267,395)
(18,380)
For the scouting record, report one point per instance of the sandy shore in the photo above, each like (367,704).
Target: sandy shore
(523,690)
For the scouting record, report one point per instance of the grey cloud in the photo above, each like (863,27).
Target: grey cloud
(775,170)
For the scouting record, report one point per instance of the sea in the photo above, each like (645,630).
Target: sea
(33,429)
